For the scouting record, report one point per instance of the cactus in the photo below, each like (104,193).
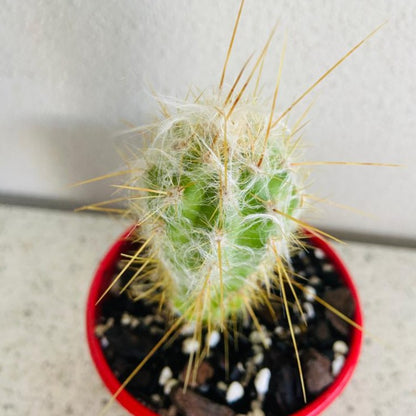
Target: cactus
(217,208)
(220,197)
(219,200)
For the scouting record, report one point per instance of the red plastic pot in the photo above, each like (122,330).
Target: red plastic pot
(103,277)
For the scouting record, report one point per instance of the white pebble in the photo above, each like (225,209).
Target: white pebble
(155,398)
(296,330)
(309,310)
(221,386)
(280,331)
(99,330)
(235,392)
(256,337)
(190,345)
(169,386)
(213,339)
(258,358)
(188,329)
(340,347)
(319,254)
(158,319)
(240,367)
(165,375)
(257,349)
(328,267)
(148,320)
(315,281)
(309,293)
(262,381)
(337,364)
(125,319)
(134,322)
(104,342)
(102,328)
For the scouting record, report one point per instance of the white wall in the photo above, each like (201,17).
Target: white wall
(70,71)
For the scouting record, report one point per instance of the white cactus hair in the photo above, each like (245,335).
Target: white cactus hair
(227,172)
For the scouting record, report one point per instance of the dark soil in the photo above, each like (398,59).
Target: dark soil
(128,330)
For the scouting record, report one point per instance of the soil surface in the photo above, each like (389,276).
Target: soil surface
(260,381)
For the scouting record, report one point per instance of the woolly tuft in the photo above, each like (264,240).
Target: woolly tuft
(218,198)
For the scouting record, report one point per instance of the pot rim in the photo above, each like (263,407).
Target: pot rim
(315,407)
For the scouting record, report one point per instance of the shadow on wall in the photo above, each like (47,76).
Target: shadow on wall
(40,159)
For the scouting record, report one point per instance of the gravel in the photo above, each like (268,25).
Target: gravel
(263,378)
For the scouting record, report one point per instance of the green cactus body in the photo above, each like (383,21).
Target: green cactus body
(217,213)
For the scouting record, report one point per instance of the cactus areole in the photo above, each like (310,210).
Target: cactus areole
(219,202)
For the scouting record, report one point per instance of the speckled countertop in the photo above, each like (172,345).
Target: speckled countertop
(47,259)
